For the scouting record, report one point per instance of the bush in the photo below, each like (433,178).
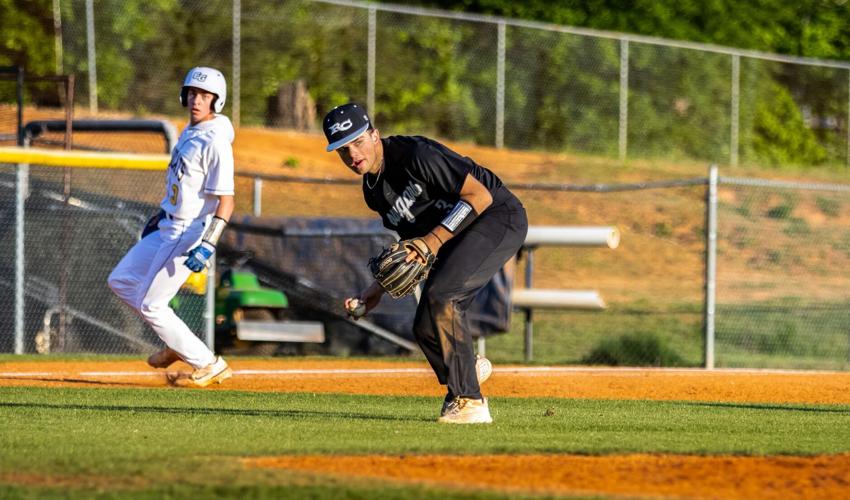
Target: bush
(638,349)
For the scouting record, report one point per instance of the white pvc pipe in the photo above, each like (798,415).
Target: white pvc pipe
(236,107)
(209,307)
(92,56)
(573,236)
(623,139)
(371,54)
(539,298)
(21,189)
(500,85)
(710,266)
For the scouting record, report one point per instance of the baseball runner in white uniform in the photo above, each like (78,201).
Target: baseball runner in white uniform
(198,203)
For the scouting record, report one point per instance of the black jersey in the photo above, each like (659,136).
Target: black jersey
(420,184)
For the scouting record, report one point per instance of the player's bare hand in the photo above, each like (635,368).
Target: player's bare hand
(355,308)
(368,299)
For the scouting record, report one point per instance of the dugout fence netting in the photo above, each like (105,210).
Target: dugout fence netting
(77,223)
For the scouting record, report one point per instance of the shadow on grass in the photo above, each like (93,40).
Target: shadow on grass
(67,380)
(770,407)
(214,411)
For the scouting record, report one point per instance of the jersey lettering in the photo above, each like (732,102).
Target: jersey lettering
(444,205)
(177,165)
(401,206)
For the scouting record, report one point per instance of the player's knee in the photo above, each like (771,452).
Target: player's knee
(119,286)
(150,311)
(441,307)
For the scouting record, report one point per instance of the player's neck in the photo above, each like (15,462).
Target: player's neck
(206,118)
(376,175)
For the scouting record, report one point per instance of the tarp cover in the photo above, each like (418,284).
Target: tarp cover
(330,255)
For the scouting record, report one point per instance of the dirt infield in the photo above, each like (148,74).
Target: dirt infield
(414,378)
(653,475)
(632,475)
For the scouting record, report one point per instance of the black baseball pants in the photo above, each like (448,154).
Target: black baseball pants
(464,265)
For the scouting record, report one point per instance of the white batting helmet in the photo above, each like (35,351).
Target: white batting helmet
(209,79)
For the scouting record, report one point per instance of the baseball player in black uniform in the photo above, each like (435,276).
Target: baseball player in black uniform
(468,219)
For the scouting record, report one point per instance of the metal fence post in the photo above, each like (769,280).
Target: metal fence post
(92,56)
(370,60)
(209,310)
(258,196)
(624,99)
(21,188)
(19,97)
(500,85)
(529,324)
(57,35)
(735,110)
(710,265)
(237,63)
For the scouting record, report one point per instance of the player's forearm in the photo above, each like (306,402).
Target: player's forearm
(474,200)
(225,207)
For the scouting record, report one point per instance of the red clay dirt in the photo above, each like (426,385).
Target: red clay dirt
(559,474)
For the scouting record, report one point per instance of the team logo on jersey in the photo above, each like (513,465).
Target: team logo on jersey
(400,208)
(341,127)
(177,165)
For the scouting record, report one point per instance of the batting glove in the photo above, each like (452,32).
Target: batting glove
(199,256)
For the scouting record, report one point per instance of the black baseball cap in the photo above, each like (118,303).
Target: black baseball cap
(345,123)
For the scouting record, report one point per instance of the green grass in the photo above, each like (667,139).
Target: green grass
(145,443)
(783,333)
(567,337)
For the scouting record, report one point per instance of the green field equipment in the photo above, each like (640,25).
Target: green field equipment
(252,319)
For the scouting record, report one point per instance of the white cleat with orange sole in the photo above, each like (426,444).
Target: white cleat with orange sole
(483,370)
(467,411)
(214,373)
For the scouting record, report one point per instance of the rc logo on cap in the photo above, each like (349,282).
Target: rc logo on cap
(200,76)
(345,123)
(341,127)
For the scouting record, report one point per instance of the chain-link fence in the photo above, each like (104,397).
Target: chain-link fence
(782,298)
(64,231)
(783,290)
(467,77)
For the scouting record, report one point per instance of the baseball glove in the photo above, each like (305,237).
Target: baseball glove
(398,276)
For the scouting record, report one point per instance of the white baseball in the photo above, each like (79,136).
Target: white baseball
(355,307)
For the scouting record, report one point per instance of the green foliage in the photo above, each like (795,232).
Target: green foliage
(438,77)
(797,228)
(779,136)
(662,229)
(637,349)
(828,206)
(784,209)
(788,333)
(26,35)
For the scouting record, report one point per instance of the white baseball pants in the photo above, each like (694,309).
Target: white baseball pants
(151,274)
